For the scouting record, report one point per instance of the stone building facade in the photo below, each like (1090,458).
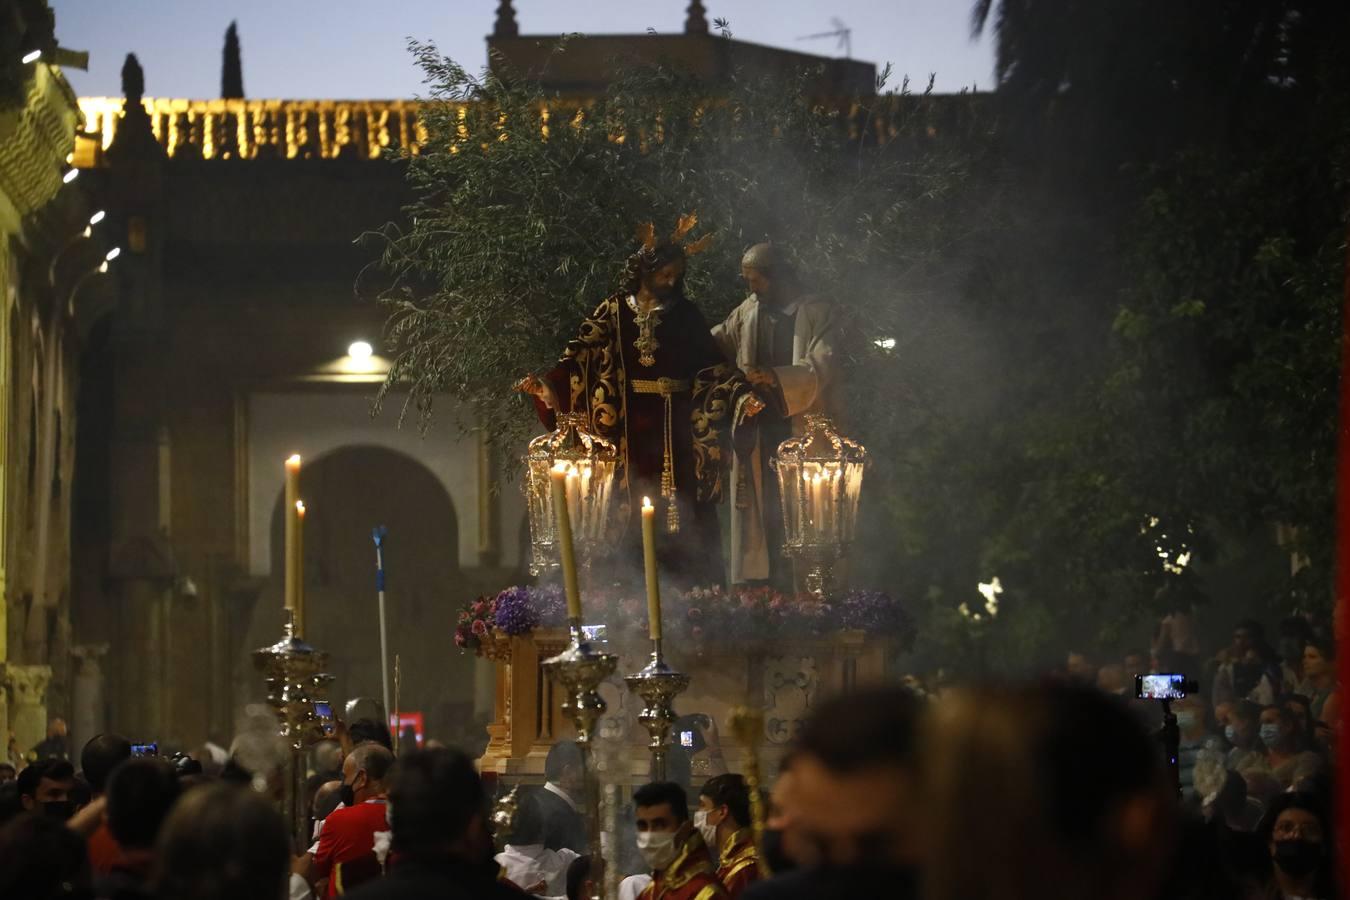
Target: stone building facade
(52,271)
(222,350)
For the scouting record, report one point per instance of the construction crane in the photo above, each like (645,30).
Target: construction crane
(841,31)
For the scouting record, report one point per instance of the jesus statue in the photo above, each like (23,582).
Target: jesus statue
(645,370)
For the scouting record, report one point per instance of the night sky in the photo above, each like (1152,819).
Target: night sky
(347,49)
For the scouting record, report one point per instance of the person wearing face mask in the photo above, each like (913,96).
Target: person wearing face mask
(1241,729)
(723,818)
(45,787)
(1196,741)
(1296,830)
(348,834)
(672,847)
(1287,760)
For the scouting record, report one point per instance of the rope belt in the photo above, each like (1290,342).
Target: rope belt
(667,388)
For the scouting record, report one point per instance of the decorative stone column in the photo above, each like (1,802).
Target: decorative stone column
(25,687)
(87,706)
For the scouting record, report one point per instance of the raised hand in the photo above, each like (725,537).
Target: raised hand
(537,387)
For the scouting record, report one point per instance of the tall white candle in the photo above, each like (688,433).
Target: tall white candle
(292,496)
(558,481)
(649,564)
(299,611)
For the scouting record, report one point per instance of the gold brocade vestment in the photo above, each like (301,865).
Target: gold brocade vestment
(658,386)
(689,877)
(738,867)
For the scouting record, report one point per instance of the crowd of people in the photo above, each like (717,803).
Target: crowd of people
(1059,788)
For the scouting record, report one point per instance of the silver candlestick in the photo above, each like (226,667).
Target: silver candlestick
(658,685)
(578,670)
(293,672)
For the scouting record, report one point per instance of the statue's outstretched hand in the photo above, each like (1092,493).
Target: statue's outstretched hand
(538,387)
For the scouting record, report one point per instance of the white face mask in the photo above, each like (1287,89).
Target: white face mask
(708,831)
(657,848)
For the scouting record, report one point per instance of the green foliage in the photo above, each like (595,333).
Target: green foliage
(517,233)
(1115,301)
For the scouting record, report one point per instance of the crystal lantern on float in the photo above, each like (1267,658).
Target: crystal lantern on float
(590,461)
(820,476)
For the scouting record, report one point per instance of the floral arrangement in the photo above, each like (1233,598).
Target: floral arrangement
(700,616)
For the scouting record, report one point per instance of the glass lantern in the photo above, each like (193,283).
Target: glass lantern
(592,459)
(820,476)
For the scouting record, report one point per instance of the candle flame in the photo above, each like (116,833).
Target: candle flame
(293,461)
(560,466)
(646,502)
(300,507)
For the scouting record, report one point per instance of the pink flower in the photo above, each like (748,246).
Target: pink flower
(695,613)
(480,628)
(696,632)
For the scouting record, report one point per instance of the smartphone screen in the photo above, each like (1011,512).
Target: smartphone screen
(686,739)
(323,710)
(593,633)
(145,749)
(1170,686)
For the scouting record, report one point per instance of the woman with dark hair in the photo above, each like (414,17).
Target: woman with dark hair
(1296,830)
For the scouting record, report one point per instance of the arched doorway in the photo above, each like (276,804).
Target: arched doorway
(347,492)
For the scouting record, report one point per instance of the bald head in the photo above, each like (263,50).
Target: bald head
(327,798)
(767,273)
(366,769)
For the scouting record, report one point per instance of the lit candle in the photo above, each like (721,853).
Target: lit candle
(586,506)
(574,502)
(299,613)
(558,475)
(649,562)
(818,505)
(827,497)
(288,511)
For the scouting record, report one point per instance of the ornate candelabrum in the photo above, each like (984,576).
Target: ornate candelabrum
(297,691)
(593,459)
(578,670)
(658,685)
(819,480)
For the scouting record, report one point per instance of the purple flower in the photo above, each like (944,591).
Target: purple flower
(515,612)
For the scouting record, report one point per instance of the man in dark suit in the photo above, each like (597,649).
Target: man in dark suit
(441,846)
(560,801)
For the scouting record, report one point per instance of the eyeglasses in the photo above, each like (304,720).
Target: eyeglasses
(1298,830)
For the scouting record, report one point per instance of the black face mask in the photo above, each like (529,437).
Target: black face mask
(772,846)
(1297,857)
(61,810)
(347,794)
